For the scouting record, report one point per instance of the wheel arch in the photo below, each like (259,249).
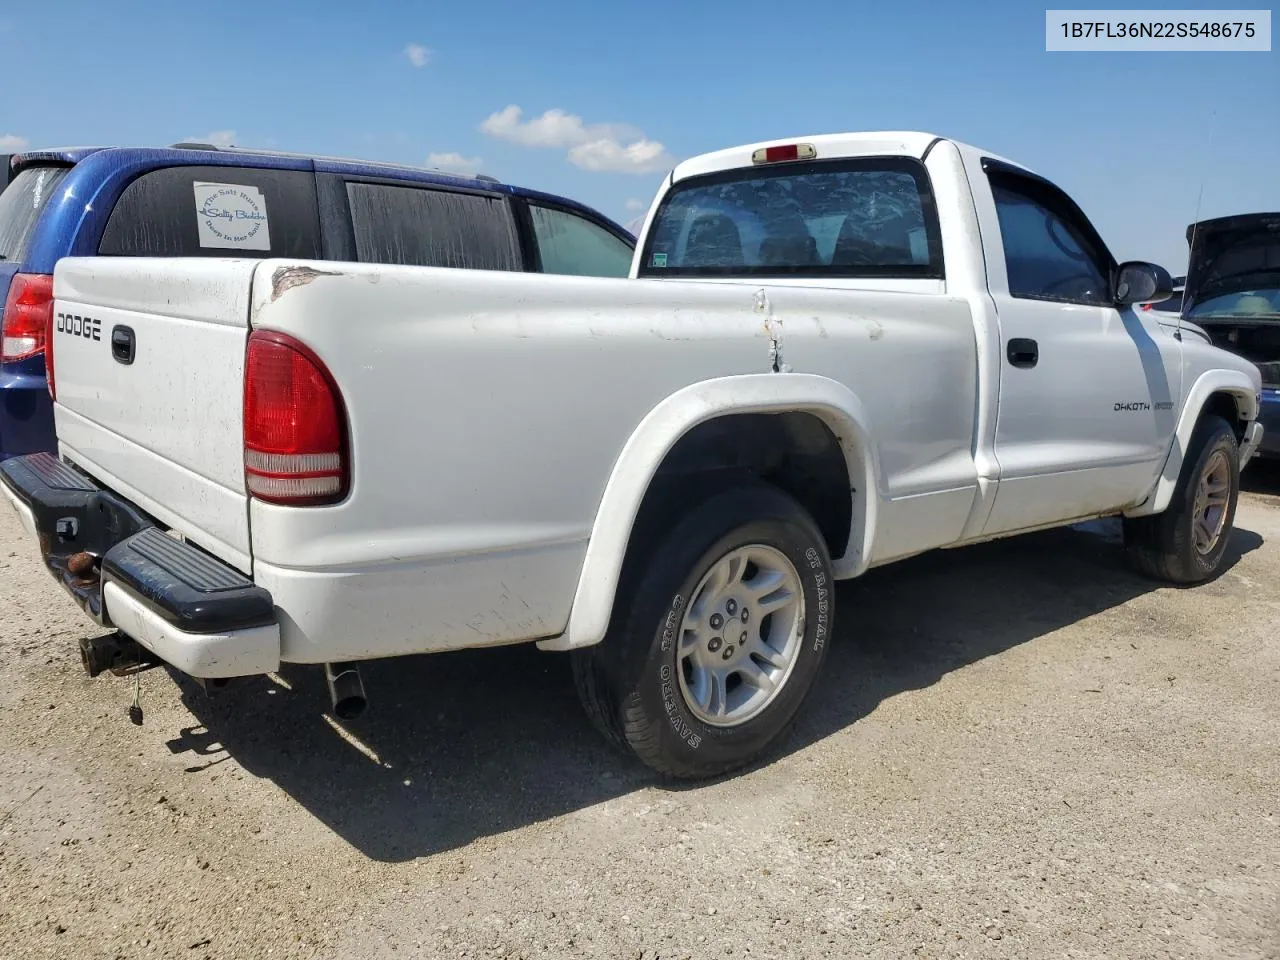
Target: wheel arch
(660,432)
(1227,393)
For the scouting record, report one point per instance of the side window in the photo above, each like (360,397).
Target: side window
(1047,255)
(568,243)
(417,226)
(216,212)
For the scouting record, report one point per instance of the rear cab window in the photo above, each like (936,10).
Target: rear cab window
(433,227)
(864,217)
(216,211)
(20,206)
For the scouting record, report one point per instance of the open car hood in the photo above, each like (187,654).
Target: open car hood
(1233,255)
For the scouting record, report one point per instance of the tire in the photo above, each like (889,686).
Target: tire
(1166,546)
(649,685)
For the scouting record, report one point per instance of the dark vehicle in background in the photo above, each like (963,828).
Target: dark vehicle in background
(1174,304)
(196,200)
(1232,292)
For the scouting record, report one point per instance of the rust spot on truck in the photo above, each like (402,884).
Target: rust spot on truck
(286,278)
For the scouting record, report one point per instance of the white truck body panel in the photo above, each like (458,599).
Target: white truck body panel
(504,427)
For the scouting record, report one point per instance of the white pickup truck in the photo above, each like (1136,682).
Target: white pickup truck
(832,352)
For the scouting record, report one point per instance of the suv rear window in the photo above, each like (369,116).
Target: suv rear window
(827,218)
(20,207)
(417,226)
(216,212)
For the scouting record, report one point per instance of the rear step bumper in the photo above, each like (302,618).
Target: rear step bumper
(190,609)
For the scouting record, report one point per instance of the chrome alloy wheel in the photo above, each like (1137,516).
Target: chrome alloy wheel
(741,635)
(1209,516)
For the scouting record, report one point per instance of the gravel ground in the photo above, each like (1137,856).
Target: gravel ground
(1018,750)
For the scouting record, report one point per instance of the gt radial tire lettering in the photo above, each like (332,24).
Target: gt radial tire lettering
(673,619)
(824,604)
(681,728)
(820,633)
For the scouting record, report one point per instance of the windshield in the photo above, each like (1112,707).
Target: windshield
(20,207)
(1263,301)
(840,218)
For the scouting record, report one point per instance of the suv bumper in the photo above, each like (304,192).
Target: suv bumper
(1269,418)
(26,412)
(191,610)
(1255,441)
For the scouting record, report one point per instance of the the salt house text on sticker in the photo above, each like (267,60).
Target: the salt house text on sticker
(232,216)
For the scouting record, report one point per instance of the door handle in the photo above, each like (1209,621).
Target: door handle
(1023,352)
(123,344)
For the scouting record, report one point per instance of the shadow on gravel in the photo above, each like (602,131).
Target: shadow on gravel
(459,746)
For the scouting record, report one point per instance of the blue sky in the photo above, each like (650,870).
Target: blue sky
(637,85)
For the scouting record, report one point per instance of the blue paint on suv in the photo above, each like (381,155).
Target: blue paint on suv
(60,203)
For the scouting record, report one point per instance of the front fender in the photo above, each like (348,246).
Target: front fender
(659,432)
(1234,382)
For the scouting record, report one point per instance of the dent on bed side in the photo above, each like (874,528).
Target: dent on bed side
(285,279)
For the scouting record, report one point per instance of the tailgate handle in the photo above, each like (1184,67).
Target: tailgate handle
(123,343)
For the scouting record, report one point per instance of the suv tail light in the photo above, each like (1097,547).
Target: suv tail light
(295,425)
(28,313)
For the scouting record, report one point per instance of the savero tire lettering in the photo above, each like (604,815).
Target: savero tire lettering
(88,327)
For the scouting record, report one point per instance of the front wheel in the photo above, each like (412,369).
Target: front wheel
(718,639)
(1187,542)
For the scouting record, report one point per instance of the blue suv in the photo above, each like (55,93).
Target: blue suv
(193,200)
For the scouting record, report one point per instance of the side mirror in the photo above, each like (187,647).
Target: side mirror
(1141,282)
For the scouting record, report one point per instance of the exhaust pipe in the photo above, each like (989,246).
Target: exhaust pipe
(346,690)
(114,652)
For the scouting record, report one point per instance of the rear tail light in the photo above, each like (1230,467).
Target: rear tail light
(295,426)
(784,153)
(28,314)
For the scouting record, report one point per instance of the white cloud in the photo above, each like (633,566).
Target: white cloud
(418,55)
(218,138)
(454,161)
(634,205)
(616,147)
(555,128)
(10,143)
(642,156)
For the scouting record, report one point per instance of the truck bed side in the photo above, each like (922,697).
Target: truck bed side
(488,411)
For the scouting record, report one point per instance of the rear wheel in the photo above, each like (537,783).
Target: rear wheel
(1187,542)
(717,638)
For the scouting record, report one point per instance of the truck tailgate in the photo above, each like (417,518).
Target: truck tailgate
(148,359)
